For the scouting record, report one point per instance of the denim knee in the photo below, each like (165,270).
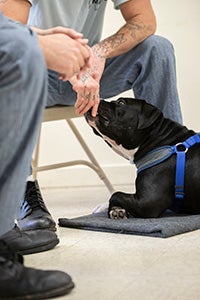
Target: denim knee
(19,59)
(159,46)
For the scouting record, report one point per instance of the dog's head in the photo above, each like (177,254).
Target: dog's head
(123,123)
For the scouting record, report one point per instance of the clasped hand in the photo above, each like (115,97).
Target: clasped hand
(87,84)
(65,51)
(70,56)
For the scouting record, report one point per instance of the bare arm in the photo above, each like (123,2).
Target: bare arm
(73,54)
(17,10)
(140,23)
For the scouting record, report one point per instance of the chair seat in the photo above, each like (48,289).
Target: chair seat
(57,113)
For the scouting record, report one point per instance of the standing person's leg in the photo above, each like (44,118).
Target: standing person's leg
(22,95)
(23,87)
(22,98)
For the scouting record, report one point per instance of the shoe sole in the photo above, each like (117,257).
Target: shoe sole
(64,290)
(38,249)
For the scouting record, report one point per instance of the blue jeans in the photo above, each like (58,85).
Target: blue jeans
(23,87)
(148,69)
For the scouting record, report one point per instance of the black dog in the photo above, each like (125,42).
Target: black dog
(139,132)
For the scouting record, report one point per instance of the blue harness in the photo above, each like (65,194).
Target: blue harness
(159,155)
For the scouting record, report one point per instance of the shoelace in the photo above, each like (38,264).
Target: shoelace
(33,198)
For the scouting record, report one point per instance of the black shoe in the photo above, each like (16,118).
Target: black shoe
(32,241)
(33,212)
(19,282)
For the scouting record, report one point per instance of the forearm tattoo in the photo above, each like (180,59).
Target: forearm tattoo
(85,77)
(133,31)
(136,27)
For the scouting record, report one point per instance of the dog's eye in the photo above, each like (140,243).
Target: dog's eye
(121,102)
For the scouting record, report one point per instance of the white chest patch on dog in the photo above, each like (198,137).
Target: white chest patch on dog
(119,149)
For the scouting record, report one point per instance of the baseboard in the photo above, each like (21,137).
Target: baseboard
(84,176)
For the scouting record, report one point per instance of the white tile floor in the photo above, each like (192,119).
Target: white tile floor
(108,266)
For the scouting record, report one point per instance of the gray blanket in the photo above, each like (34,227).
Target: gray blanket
(163,227)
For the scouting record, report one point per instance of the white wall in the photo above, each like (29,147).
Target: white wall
(178,21)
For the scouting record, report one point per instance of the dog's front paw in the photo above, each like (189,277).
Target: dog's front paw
(117,213)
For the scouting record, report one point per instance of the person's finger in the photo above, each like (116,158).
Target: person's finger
(82,41)
(69,31)
(87,102)
(95,107)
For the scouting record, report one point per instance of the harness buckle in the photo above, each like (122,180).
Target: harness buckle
(180,147)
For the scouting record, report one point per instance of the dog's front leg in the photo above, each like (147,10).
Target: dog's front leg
(152,196)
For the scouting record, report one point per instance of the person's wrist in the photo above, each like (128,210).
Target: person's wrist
(99,51)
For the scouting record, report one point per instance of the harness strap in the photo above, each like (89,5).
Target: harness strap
(180,150)
(161,154)
(154,158)
(180,173)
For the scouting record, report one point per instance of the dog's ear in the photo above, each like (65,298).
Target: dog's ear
(148,115)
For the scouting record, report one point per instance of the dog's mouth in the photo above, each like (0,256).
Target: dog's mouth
(99,118)
(89,118)
(103,131)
